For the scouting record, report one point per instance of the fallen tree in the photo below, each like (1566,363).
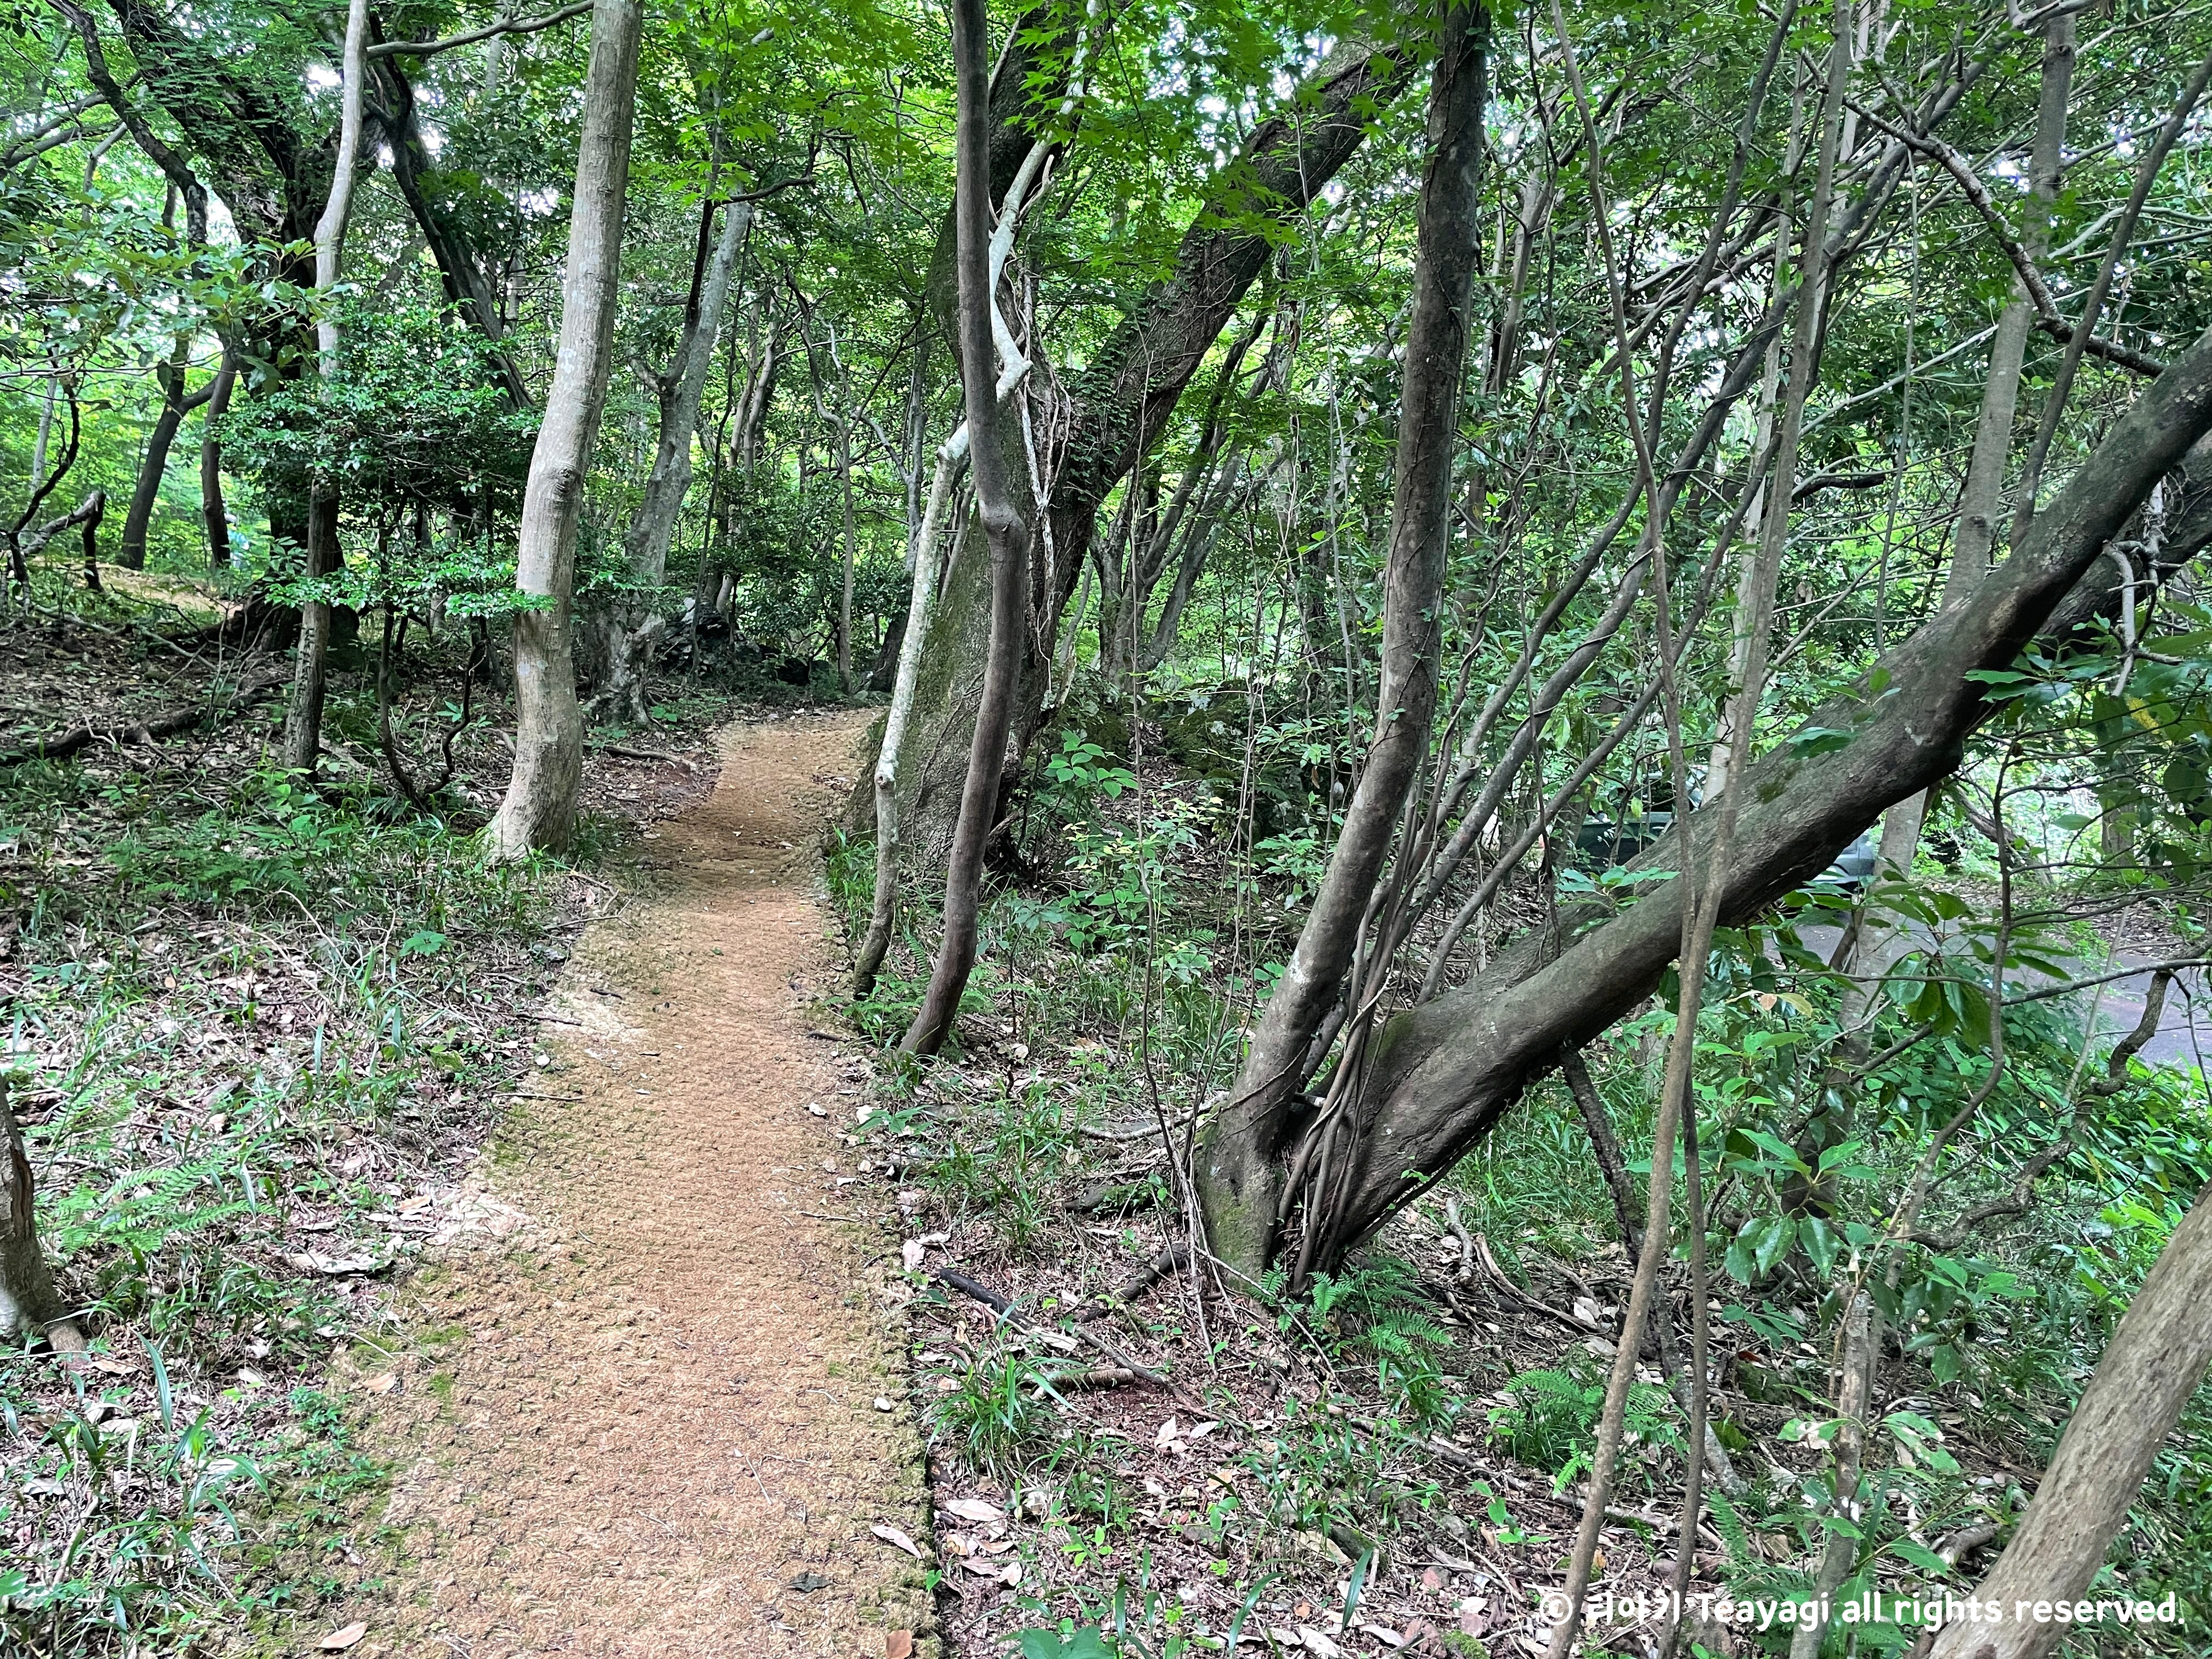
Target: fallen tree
(152,729)
(1440,1074)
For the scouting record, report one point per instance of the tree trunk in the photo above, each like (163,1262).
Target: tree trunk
(2153,1362)
(913,636)
(1238,1186)
(845,597)
(303,718)
(1441,1074)
(1973,536)
(212,511)
(303,715)
(1122,401)
(130,552)
(540,810)
(27,1298)
(95,509)
(631,626)
(989,440)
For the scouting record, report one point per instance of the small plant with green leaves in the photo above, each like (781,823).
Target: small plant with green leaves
(1138,1622)
(1373,1314)
(999,1414)
(1550,1418)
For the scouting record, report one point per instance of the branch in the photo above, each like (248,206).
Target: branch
(2039,292)
(151,730)
(2016,1201)
(505,26)
(142,132)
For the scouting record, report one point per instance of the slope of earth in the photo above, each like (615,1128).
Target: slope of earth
(654,1417)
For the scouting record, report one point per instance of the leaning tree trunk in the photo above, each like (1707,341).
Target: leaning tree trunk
(1122,403)
(991,445)
(27,1298)
(632,626)
(1441,1074)
(2153,1362)
(1236,1183)
(540,810)
(130,552)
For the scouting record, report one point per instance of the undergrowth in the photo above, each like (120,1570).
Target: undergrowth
(1125,949)
(244,1014)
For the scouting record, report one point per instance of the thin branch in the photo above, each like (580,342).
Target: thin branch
(505,26)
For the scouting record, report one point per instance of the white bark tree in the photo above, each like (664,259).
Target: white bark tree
(540,810)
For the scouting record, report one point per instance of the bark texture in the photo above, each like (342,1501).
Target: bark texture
(540,810)
(1004,528)
(2153,1364)
(213,514)
(27,1298)
(1239,1165)
(131,552)
(1121,402)
(303,719)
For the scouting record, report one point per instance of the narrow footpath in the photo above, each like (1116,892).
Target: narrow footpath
(662,1417)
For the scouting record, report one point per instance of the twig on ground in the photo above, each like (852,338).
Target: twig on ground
(1513,1293)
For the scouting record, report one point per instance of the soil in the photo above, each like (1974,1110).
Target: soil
(659,1411)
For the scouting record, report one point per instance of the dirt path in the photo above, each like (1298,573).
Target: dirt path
(647,1423)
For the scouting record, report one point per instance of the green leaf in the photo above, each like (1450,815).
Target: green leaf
(1782,1231)
(1819,741)
(1091,1644)
(1820,1242)
(1919,1555)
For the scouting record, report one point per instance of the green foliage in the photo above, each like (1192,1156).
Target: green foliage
(1374,1314)
(999,1412)
(1550,1418)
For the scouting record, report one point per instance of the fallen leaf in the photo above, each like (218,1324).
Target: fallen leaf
(1166,1435)
(338,1639)
(974,1509)
(113,1366)
(807,1583)
(1317,1642)
(912,1252)
(384,1384)
(898,1644)
(1200,1431)
(893,1537)
(982,1569)
(1382,1633)
(1431,1579)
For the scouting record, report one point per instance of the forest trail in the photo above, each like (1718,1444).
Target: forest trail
(648,1424)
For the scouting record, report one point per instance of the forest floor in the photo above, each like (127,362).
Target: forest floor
(657,1417)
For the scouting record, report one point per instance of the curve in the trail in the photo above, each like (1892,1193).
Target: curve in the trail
(649,1424)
